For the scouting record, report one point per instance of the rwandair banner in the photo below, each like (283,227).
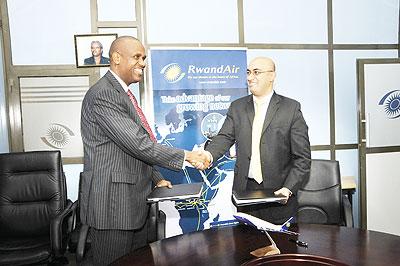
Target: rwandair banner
(192,91)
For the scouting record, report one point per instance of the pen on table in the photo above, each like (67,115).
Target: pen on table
(298,242)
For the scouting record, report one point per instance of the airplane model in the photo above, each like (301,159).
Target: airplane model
(264,225)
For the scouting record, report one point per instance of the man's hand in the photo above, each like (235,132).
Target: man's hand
(164,183)
(199,159)
(284,192)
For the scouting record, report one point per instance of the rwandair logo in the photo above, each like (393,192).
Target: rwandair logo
(172,73)
(391,104)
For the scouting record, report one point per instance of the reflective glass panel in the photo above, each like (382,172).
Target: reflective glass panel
(120,31)
(42,35)
(348,161)
(116,10)
(326,155)
(192,21)
(3,115)
(365,21)
(346,91)
(289,21)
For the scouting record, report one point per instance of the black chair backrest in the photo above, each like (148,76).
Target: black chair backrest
(32,191)
(320,201)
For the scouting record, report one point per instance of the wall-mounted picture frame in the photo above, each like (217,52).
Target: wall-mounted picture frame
(91,50)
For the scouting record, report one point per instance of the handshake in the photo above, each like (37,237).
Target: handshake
(200,159)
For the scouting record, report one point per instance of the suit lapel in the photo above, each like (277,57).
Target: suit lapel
(114,82)
(272,108)
(117,86)
(250,109)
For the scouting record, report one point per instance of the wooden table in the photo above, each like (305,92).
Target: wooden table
(232,246)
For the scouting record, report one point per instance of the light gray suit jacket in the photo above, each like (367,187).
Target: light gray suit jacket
(118,159)
(284,146)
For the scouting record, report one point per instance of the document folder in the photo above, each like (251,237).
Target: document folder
(250,197)
(177,192)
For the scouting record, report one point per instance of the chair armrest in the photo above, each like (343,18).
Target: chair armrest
(156,223)
(57,227)
(152,220)
(347,212)
(161,225)
(72,219)
(80,248)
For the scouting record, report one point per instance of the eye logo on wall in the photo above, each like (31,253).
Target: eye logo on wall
(391,104)
(57,136)
(172,73)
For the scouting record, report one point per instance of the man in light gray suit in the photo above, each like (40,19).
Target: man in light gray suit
(120,153)
(278,157)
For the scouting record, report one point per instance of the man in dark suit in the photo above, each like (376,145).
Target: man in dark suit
(97,57)
(120,153)
(272,145)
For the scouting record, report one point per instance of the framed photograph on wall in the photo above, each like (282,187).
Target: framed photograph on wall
(91,50)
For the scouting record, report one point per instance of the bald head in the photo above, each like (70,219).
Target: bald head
(120,43)
(261,76)
(127,56)
(264,62)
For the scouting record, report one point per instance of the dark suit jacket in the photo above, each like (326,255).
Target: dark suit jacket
(284,146)
(118,159)
(91,61)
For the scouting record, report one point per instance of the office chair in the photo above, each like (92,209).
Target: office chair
(156,224)
(80,241)
(321,200)
(35,215)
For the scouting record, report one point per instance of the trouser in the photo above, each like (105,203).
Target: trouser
(109,245)
(271,212)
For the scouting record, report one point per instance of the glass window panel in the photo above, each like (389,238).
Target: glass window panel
(289,21)
(326,155)
(192,21)
(120,31)
(303,76)
(346,91)
(60,99)
(116,10)
(41,36)
(365,21)
(382,185)
(72,172)
(348,160)
(3,115)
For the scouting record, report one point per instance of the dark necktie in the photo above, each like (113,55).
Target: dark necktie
(141,115)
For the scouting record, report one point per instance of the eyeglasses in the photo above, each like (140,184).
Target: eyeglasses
(257,72)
